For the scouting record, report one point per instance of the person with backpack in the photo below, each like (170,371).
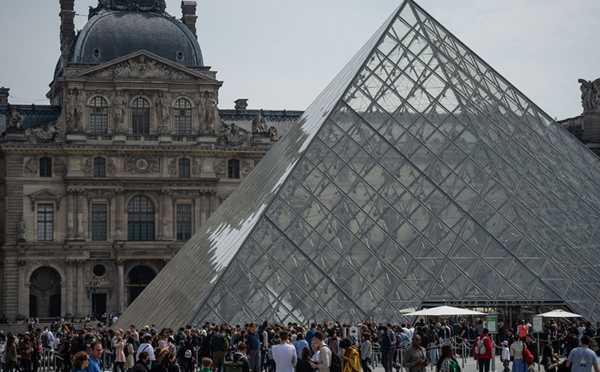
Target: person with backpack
(238,362)
(47,339)
(254,355)
(220,346)
(482,351)
(324,362)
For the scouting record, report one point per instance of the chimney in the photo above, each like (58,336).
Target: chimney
(67,30)
(188,10)
(4,96)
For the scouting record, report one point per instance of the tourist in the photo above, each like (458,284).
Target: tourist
(254,355)
(80,361)
(25,351)
(505,356)
(10,353)
(516,352)
(482,351)
(350,359)
(550,359)
(284,354)
(323,360)
(119,354)
(303,364)
(415,357)
(146,346)
(142,363)
(239,357)
(446,361)
(366,352)
(582,359)
(95,355)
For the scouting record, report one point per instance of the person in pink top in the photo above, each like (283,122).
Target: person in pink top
(482,350)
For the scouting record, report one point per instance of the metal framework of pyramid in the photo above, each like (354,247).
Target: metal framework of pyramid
(419,175)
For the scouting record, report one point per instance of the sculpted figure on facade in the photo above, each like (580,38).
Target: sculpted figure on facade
(163,112)
(21,230)
(44,133)
(73,110)
(232,135)
(119,107)
(259,124)
(590,94)
(201,103)
(273,133)
(14,120)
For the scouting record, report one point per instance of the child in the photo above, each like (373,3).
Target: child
(505,356)
(206,364)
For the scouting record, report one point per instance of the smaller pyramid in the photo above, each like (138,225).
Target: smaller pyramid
(419,176)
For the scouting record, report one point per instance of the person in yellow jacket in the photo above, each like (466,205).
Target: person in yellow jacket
(350,358)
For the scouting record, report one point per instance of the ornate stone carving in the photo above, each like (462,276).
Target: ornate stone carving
(21,230)
(590,94)
(100,194)
(273,133)
(172,168)
(241,104)
(259,124)
(119,111)
(220,167)
(157,6)
(72,110)
(22,263)
(246,167)
(46,132)
(232,135)
(111,168)
(88,166)
(196,168)
(14,120)
(60,167)
(140,67)
(163,111)
(142,164)
(31,166)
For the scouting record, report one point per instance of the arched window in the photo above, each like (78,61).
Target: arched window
(45,167)
(184,168)
(233,168)
(99,167)
(140,219)
(140,116)
(183,117)
(98,116)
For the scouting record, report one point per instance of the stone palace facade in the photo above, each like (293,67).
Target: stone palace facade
(103,186)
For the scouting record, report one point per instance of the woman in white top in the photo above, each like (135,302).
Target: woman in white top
(365,352)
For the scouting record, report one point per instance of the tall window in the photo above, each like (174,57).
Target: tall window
(99,167)
(45,222)
(45,167)
(98,116)
(140,219)
(98,222)
(184,221)
(184,168)
(183,117)
(233,168)
(140,116)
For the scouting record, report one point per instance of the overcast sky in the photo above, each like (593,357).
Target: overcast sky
(280,54)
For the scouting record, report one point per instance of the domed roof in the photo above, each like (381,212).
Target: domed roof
(111,34)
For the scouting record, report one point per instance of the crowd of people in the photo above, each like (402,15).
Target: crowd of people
(325,347)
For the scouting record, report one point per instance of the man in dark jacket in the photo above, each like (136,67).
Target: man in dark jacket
(533,347)
(238,357)
(254,344)
(142,364)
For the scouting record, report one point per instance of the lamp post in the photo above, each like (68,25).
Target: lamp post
(94,283)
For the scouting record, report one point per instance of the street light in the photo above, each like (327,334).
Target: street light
(94,283)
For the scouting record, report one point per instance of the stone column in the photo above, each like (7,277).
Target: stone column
(203,207)
(81,298)
(197,212)
(70,214)
(69,290)
(120,214)
(22,298)
(85,213)
(120,286)
(80,216)
(164,214)
(214,202)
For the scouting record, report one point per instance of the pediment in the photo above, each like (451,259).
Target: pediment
(143,65)
(45,195)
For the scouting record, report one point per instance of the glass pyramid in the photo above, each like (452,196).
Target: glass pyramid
(419,175)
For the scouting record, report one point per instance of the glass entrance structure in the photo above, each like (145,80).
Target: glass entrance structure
(419,176)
